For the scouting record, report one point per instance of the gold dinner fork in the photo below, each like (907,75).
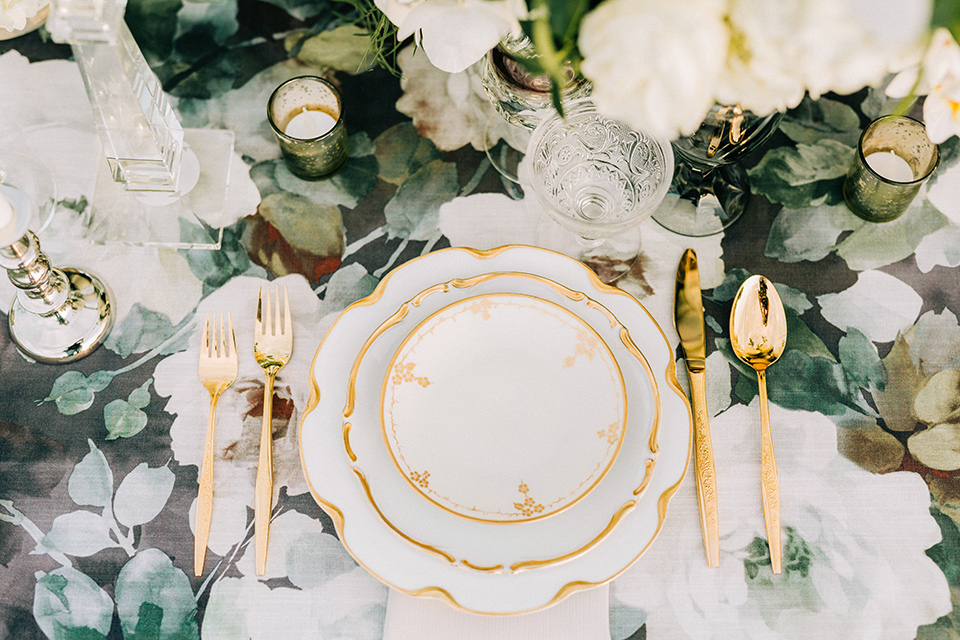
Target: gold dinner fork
(218,370)
(272,346)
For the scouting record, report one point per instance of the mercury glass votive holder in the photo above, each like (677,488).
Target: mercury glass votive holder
(894,158)
(306,115)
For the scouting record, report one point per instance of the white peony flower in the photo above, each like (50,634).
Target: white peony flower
(937,77)
(854,545)
(454,33)
(661,66)
(15,13)
(654,64)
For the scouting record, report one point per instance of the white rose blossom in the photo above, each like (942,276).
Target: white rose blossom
(937,77)
(15,13)
(454,33)
(661,66)
(653,64)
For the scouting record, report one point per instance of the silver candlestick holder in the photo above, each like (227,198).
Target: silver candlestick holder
(58,315)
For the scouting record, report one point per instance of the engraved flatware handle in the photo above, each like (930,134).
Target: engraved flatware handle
(768,478)
(706,472)
(263,496)
(205,493)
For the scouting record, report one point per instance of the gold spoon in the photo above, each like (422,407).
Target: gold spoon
(758,335)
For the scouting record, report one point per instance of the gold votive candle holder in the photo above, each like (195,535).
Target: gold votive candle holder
(306,115)
(894,158)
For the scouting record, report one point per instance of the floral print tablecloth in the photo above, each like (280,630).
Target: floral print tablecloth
(98,459)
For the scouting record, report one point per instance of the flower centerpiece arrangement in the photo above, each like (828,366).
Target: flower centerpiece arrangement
(20,16)
(661,66)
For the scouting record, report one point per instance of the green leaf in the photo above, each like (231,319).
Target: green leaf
(69,605)
(140,397)
(793,299)
(216,268)
(802,176)
(801,338)
(74,392)
(352,183)
(140,331)
(142,494)
(809,234)
(123,420)
(91,483)
(877,245)
(414,211)
(344,48)
(313,559)
(346,286)
(153,24)
(813,120)
(727,289)
(80,534)
(150,579)
(565,17)
(791,379)
(220,617)
(861,362)
(877,103)
(400,152)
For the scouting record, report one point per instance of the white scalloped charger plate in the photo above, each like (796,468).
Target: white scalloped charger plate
(389,557)
(489,546)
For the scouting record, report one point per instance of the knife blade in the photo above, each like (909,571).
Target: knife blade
(688,317)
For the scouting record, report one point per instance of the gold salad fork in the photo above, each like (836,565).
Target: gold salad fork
(218,370)
(272,346)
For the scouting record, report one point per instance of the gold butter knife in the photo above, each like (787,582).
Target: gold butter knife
(688,316)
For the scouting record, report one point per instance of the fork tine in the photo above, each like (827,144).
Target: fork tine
(287,320)
(275,327)
(205,341)
(232,343)
(259,322)
(222,342)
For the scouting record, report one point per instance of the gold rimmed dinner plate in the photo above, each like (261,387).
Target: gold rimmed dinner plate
(503,408)
(333,475)
(488,545)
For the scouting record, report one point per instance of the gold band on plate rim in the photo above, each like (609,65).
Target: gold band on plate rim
(336,515)
(622,400)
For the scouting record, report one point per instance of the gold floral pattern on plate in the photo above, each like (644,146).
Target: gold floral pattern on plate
(518,385)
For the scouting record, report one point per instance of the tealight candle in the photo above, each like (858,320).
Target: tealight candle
(894,158)
(306,115)
(309,124)
(889,165)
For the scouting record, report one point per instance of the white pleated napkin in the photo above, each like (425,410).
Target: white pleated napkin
(581,616)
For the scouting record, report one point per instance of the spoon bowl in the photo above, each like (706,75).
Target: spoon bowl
(758,335)
(758,324)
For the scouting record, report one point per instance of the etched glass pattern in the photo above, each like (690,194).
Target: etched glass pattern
(596,176)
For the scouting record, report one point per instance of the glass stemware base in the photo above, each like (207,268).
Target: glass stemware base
(702,203)
(710,190)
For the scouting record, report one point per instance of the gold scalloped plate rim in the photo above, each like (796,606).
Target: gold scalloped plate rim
(336,515)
